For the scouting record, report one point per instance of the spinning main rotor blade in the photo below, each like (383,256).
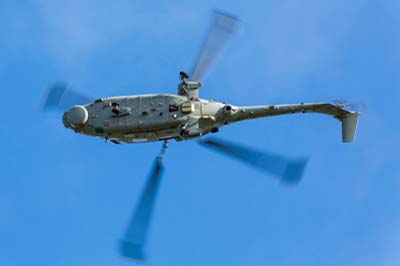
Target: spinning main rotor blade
(222,29)
(60,96)
(348,104)
(287,170)
(135,237)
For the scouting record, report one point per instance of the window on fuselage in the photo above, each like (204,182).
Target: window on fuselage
(173,108)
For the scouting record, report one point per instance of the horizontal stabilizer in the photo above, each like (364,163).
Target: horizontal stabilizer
(349,126)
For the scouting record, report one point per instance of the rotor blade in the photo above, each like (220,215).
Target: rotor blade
(287,170)
(135,237)
(60,96)
(223,28)
(348,103)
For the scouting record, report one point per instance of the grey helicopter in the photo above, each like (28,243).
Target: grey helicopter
(184,116)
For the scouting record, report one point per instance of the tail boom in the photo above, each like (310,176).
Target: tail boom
(348,118)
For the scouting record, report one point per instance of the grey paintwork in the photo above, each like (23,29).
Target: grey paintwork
(156,117)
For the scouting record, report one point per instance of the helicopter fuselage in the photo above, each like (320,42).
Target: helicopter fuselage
(154,117)
(144,118)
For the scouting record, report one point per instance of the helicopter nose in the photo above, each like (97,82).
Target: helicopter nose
(76,117)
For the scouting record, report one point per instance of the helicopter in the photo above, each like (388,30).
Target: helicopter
(184,116)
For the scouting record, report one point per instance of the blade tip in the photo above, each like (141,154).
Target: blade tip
(131,250)
(53,95)
(219,12)
(294,171)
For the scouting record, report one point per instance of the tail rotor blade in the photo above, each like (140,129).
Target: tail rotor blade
(134,240)
(60,96)
(348,103)
(222,29)
(287,170)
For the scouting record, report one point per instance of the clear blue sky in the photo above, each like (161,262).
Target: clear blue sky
(65,199)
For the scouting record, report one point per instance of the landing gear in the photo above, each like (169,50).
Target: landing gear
(184,132)
(215,130)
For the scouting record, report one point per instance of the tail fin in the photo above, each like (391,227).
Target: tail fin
(349,126)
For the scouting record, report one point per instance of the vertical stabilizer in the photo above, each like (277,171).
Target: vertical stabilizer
(349,126)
